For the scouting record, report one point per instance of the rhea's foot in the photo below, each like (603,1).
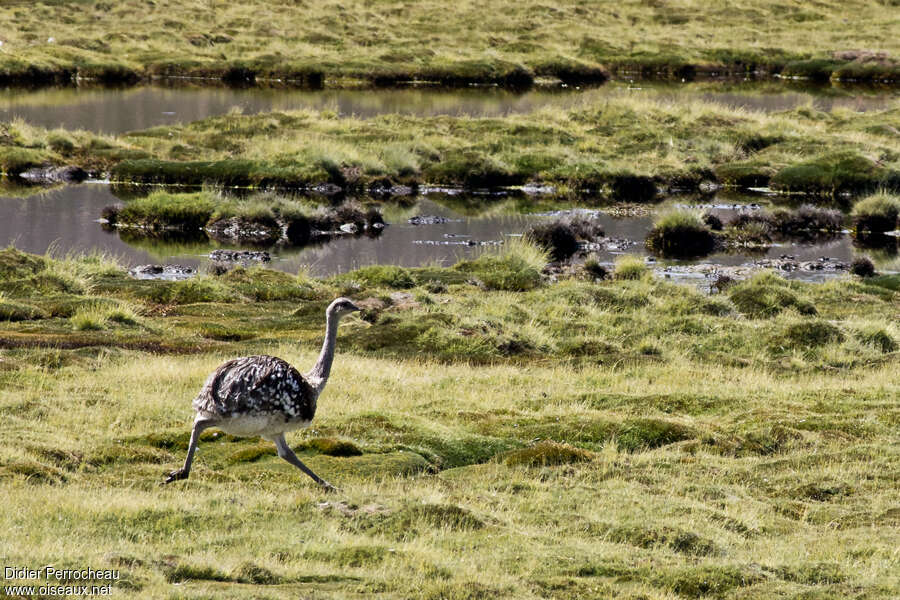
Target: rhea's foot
(175,476)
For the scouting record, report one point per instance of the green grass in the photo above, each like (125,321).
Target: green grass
(515,267)
(624,147)
(630,267)
(165,210)
(876,213)
(680,233)
(627,437)
(345,43)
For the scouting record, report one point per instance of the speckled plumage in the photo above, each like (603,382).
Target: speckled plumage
(256,385)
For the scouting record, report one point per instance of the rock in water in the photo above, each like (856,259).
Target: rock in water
(48,175)
(164,272)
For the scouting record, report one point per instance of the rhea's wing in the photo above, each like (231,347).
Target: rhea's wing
(257,385)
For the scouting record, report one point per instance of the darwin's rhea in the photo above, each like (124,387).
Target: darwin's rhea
(265,396)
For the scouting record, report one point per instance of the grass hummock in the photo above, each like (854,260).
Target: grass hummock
(877,213)
(681,233)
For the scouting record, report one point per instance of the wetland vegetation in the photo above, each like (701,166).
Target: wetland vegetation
(618,452)
(352,43)
(510,424)
(622,147)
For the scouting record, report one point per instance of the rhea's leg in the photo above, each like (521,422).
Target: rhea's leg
(285,452)
(199,426)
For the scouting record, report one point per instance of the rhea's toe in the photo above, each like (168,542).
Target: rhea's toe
(175,476)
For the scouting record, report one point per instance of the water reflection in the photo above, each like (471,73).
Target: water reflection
(111,110)
(65,219)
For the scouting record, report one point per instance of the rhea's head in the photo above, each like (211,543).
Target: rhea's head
(341,307)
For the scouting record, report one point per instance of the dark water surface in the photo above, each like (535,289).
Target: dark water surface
(110,110)
(65,220)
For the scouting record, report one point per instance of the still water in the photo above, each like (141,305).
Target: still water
(64,220)
(113,111)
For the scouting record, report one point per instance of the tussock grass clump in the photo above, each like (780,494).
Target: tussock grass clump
(876,213)
(252,453)
(560,238)
(862,266)
(751,231)
(712,221)
(214,331)
(817,573)
(516,267)
(90,318)
(14,161)
(382,276)
(630,267)
(807,333)
(165,210)
(707,580)
(33,472)
(17,311)
(441,516)
(263,285)
(199,289)
(61,142)
(642,434)
(351,556)
(766,295)
(15,264)
(683,542)
(332,447)
(184,572)
(557,238)
(594,270)
(412,519)
(681,234)
(877,337)
(808,218)
(472,168)
(248,572)
(546,454)
(123,315)
(831,174)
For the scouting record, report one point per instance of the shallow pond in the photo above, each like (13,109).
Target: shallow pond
(65,220)
(117,110)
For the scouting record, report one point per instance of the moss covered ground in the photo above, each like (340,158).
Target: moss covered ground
(383,43)
(623,147)
(493,435)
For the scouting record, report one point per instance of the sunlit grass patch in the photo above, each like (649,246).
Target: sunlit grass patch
(630,267)
(680,233)
(515,267)
(876,213)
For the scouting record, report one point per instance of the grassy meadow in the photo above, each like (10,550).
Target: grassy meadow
(624,147)
(336,43)
(494,431)
(493,435)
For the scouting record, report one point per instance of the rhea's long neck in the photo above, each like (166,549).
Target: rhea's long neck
(319,374)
